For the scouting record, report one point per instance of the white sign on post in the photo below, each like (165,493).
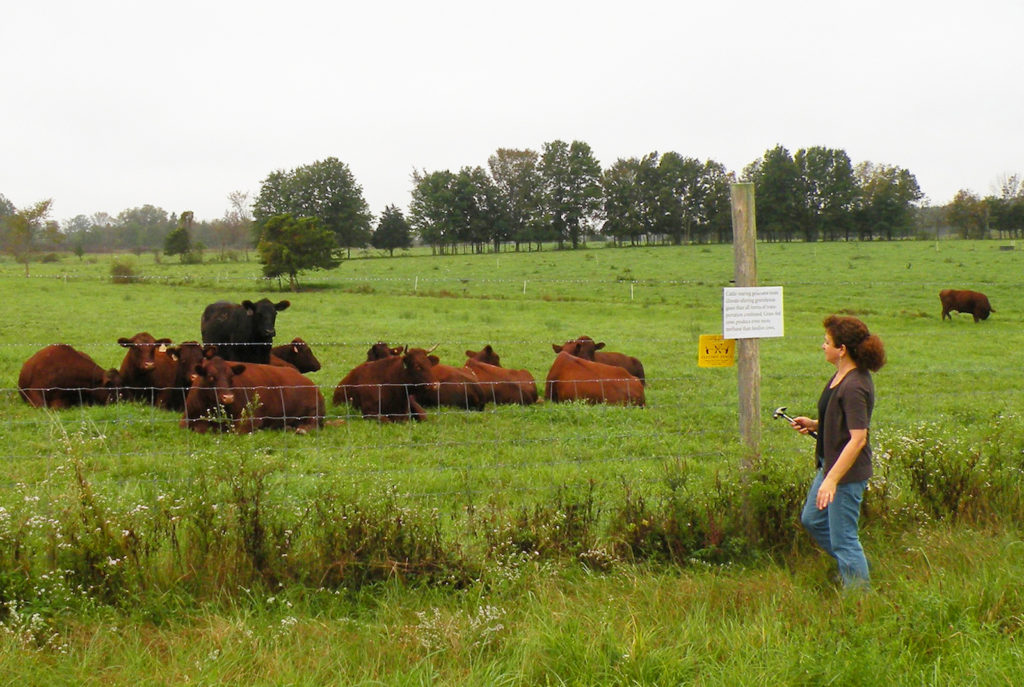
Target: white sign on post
(752,312)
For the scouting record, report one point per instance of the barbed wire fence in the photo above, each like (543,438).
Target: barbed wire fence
(595,440)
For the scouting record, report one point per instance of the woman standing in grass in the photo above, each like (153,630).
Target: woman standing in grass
(843,450)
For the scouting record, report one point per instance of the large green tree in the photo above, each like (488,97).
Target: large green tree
(571,190)
(432,209)
(777,184)
(290,245)
(325,189)
(828,192)
(516,175)
(21,230)
(888,199)
(968,215)
(479,214)
(620,185)
(393,231)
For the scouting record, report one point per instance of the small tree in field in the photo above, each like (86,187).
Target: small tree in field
(178,242)
(288,246)
(393,231)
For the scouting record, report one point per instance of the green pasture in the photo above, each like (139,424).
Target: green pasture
(653,303)
(432,535)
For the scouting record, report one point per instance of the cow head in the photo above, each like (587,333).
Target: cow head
(582,347)
(302,356)
(217,375)
(485,355)
(419,370)
(264,317)
(141,349)
(189,354)
(381,350)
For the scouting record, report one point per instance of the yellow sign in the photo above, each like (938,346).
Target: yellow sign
(716,351)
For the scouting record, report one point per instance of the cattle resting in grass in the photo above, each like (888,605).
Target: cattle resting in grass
(138,365)
(576,379)
(172,376)
(457,387)
(297,354)
(501,385)
(244,397)
(242,332)
(58,376)
(974,303)
(588,349)
(388,388)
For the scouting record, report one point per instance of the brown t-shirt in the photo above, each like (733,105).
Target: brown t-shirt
(849,407)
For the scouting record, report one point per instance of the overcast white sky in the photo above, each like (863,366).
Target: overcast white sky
(112,105)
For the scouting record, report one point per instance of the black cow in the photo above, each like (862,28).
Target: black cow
(242,332)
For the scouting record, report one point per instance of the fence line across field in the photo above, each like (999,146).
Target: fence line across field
(415,280)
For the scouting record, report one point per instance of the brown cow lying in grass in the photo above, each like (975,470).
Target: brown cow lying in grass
(387,388)
(585,347)
(501,385)
(577,379)
(59,376)
(244,397)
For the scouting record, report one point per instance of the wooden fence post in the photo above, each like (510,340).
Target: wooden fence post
(748,364)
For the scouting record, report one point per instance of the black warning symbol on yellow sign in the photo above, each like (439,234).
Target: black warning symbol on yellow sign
(716,351)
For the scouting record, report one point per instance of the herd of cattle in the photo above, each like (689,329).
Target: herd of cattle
(237,380)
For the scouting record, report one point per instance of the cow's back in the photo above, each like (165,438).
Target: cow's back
(286,398)
(375,388)
(572,378)
(457,388)
(59,375)
(502,385)
(627,362)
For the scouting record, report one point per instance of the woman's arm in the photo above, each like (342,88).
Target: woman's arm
(846,459)
(804,425)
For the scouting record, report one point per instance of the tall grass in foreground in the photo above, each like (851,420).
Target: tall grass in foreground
(946,609)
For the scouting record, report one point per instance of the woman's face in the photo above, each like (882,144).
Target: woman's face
(832,353)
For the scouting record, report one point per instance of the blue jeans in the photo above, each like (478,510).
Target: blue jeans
(835,528)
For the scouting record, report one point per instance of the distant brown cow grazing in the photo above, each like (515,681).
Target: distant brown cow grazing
(973,302)
(387,388)
(572,378)
(297,354)
(588,349)
(58,376)
(244,397)
(138,365)
(501,385)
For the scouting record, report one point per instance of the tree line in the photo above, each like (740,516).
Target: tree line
(314,215)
